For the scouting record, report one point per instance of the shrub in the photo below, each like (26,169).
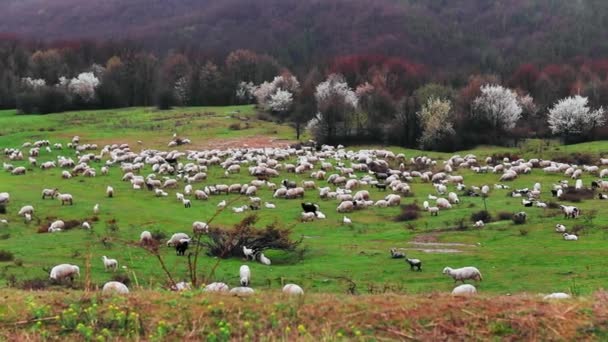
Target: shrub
(498,157)
(226,243)
(577,195)
(166,99)
(43,101)
(578,229)
(6,255)
(34,284)
(518,219)
(576,158)
(481,215)
(235,126)
(159,235)
(409,212)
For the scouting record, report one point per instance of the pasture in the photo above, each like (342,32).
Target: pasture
(529,258)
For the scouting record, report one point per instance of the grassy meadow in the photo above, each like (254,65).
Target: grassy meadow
(529,258)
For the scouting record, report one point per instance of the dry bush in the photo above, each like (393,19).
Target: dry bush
(504,215)
(6,255)
(481,215)
(576,158)
(226,243)
(235,126)
(34,284)
(577,195)
(409,212)
(498,157)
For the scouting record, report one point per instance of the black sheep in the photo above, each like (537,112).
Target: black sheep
(414,263)
(289,184)
(380,186)
(381,176)
(310,207)
(182,246)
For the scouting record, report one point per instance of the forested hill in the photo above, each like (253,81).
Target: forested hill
(492,35)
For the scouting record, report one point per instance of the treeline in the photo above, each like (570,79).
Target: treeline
(348,99)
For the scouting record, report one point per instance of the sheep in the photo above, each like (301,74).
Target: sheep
(381,204)
(86,225)
(200,195)
(114,287)
(570,211)
(269,205)
(453,198)
(64,271)
(216,287)
(346,221)
(345,207)
(222,204)
(18,171)
(393,200)
(508,176)
(309,207)
(66,174)
(109,263)
(396,255)
(242,291)
(96,209)
(442,203)
(145,238)
(248,253)
(479,224)
(187,203)
(110,191)
(5,197)
(199,227)
(182,246)
(65,198)
(175,238)
(570,237)
(557,295)
(560,228)
(51,193)
(463,273)
(181,286)
(464,290)
(57,225)
(602,196)
(245,274)
(293,289)
(263,259)
(307,217)
(414,263)
(27,209)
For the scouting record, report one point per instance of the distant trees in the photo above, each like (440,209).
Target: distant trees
(336,101)
(436,123)
(572,117)
(497,107)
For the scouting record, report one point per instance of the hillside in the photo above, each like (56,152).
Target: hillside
(473,32)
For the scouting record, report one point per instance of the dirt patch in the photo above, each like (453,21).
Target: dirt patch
(439,244)
(433,250)
(425,238)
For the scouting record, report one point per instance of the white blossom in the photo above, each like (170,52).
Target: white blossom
(263,92)
(244,91)
(33,83)
(280,101)
(497,105)
(572,115)
(335,86)
(181,90)
(84,86)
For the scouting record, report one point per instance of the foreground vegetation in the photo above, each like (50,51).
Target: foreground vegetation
(332,257)
(160,316)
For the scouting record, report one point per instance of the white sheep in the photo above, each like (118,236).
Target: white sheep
(320,215)
(65,198)
(109,263)
(199,227)
(307,217)
(463,273)
(453,198)
(264,260)
(442,203)
(66,174)
(245,274)
(570,237)
(96,209)
(293,289)
(57,225)
(345,207)
(346,221)
(464,290)
(216,287)
(269,205)
(86,225)
(63,271)
(479,224)
(27,209)
(248,253)
(175,238)
(560,228)
(110,191)
(114,287)
(187,203)
(242,291)
(145,237)
(557,295)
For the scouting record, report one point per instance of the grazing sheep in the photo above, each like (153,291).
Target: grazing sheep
(187,203)
(66,174)
(307,217)
(479,224)
(396,255)
(557,295)
(18,171)
(346,221)
(464,290)
(200,195)
(263,259)
(145,238)
(560,228)
(463,273)
(570,211)
(86,225)
(5,197)
(64,271)
(50,193)
(216,287)
(110,191)
(175,239)
(110,263)
(442,203)
(414,263)
(199,227)
(293,289)
(242,291)
(65,198)
(453,198)
(27,209)
(245,274)
(248,253)
(570,237)
(114,287)
(182,246)
(96,209)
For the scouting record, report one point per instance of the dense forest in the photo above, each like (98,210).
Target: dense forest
(412,73)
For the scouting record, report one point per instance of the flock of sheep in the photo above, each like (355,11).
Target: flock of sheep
(334,174)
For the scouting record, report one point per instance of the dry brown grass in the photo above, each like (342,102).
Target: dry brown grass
(193,316)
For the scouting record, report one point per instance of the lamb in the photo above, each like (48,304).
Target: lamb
(464,290)
(557,295)
(110,191)
(320,215)
(216,287)
(463,273)
(66,174)
(602,196)
(346,221)
(479,224)
(109,263)
(5,197)
(414,263)
(114,287)
(245,274)
(64,271)
(263,259)
(560,228)
(96,209)
(65,198)
(293,289)
(181,286)
(269,205)
(570,237)
(179,197)
(187,203)
(433,210)
(453,198)
(51,193)
(248,253)
(86,225)
(27,209)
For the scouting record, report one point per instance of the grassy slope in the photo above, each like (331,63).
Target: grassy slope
(195,316)
(510,262)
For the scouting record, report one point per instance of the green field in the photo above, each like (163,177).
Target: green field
(528,258)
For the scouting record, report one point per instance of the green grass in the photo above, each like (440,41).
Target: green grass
(540,261)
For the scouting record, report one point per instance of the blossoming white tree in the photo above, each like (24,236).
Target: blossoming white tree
(33,83)
(335,102)
(84,86)
(435,119)
(572,115)
(498,106)
(280,101)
